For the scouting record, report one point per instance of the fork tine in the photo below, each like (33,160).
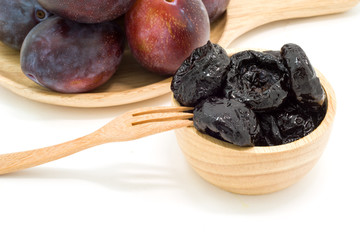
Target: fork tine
(160,117)
(143,111)
(151,128)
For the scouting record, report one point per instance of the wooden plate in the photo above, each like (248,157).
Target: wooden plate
(132,83)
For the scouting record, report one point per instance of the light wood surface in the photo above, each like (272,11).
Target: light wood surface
(133,84)
(245,15)
(128,126)
(256,170)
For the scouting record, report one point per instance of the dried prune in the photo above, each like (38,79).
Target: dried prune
(227,119)
(318,112)
(288,123)
(260,99)
(201,74)
(270,133)
(304,82)
(276,53)
(258,79)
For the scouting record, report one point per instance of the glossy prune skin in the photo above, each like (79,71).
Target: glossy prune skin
(201,75)
(289,123)
(215,8)
(256,105)
(228,120)
(275,53)
(70,57)
(270,134)
(88,11)
(304,82)
(17,18)
(258,79)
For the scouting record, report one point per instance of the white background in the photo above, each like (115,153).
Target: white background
(145,189)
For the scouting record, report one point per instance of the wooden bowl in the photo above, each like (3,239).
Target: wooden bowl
(256,170)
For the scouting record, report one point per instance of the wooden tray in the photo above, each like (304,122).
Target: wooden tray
(132,83)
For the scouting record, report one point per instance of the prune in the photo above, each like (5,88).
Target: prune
(275,53)
(294,122)
(258,79)
(256,104)
(215,8)
(88,11)
(227,119)
(304,82)
(201,74)
(288,123)
(71,57)
(17,18)
(270,134)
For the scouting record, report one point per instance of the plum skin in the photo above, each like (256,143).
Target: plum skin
(215,8)
(17,18)
(162,33)
(70,57)
(88,11)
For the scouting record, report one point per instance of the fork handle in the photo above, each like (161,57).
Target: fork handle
(12,162)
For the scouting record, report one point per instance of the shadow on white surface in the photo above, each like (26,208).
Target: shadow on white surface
(128,178)
(119,177)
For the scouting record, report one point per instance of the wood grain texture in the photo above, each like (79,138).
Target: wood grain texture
(245,15)
(256,170)
(132,83)
(131,125)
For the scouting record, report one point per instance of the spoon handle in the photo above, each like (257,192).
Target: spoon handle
(12,162)
(244,15)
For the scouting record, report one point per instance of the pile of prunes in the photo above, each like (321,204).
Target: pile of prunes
(251,98)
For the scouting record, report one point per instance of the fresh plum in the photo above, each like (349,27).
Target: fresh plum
(17,18)
(163,33)
(215,8)
(71,57)
(88,11)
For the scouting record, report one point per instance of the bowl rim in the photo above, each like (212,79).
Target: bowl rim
(311,137)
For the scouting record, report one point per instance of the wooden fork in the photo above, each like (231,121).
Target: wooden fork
(128,126)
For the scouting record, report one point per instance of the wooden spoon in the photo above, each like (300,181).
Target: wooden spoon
(133,84)
(245,15)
